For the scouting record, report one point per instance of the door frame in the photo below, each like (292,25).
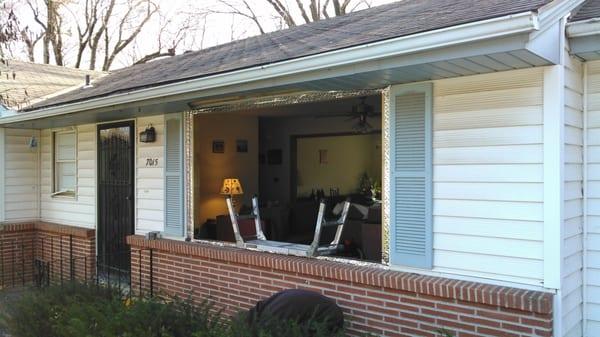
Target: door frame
(108,125)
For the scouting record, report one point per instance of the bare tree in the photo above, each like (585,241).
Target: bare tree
(173,35)
(9,28)
(299,12)
(30,39)
(50,21)
(130,24)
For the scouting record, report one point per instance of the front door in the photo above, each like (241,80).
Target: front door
(115,196)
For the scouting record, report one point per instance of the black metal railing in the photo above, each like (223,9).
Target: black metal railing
(43,262)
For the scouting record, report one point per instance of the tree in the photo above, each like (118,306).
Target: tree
(300,12)
(128,27)
(9,28)
(50,20)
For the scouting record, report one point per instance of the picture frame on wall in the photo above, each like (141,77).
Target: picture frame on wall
(241,145)
(218,146)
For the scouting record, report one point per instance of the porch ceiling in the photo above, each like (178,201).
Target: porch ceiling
(516,51)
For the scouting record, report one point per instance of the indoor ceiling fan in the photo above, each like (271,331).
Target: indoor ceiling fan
(360,113)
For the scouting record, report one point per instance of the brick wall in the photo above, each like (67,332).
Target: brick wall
(376,300)
(62,248)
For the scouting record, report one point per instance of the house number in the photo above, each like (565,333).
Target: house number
(151,162)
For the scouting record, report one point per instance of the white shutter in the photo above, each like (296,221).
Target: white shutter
(411,176)
(174,222)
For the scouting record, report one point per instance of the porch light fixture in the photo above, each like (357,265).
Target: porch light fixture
(232,187)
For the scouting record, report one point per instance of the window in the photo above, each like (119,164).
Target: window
(65,163)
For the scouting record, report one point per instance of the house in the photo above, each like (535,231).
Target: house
(26,83)
(478,117)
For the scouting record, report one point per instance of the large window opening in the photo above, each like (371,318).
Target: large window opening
(292,157)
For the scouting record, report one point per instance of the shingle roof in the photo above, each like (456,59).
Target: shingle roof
(589,10)
(23,83)
(375,24)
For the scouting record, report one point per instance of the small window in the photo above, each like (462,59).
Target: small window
(65,163)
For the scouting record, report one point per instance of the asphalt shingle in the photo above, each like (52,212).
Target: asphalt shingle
(375,24)
(589,10)
(24,83)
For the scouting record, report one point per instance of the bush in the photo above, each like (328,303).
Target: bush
(77,310)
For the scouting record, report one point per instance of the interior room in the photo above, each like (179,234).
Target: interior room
(292,156)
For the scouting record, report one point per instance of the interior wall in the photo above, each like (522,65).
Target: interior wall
(354,155)
(276,133)
(211,168)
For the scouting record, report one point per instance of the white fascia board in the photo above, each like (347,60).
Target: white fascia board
(526,22)
(583,28)
(556,10)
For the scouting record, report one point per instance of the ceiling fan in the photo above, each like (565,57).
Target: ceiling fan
(361,113)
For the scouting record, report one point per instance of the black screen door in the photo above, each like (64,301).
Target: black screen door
(115,196)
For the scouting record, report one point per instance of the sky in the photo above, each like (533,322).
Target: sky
(207,31)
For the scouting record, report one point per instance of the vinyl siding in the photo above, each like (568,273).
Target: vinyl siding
(488,181)
(572,253)
(21,178)
(150,210)
(593,204)
(81,210)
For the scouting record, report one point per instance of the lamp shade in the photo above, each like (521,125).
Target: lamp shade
(231,186)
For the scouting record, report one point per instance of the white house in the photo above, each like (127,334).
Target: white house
(479,119)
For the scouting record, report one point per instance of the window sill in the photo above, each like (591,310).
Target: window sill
(348,271)
(65,196)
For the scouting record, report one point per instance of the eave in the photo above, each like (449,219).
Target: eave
(517,40)
(584,39)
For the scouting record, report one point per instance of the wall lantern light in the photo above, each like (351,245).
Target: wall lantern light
(148,135)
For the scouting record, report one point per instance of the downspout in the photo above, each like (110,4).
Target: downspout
(584,308)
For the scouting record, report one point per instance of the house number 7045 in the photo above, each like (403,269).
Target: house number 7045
(151,161)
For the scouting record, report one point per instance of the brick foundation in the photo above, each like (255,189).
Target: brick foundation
(57,245)
(376,300)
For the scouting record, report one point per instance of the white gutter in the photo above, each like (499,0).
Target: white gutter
(584,28)
(503,26)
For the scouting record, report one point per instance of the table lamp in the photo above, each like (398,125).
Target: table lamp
(232,187)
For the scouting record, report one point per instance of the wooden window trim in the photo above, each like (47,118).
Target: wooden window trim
(56,193)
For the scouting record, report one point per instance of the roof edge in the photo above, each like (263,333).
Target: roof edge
(583,28)
(525,22)
(556,10)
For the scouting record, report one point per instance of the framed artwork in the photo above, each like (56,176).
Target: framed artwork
(241,146)
(218,146)
(275,157)
(323,157)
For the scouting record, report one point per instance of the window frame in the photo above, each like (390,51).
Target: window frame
(55,162)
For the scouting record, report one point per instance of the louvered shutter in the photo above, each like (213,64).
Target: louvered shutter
(411,176)
(174,223)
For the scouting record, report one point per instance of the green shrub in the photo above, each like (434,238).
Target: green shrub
(77,310)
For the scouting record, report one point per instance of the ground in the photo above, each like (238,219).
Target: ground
(5,297)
